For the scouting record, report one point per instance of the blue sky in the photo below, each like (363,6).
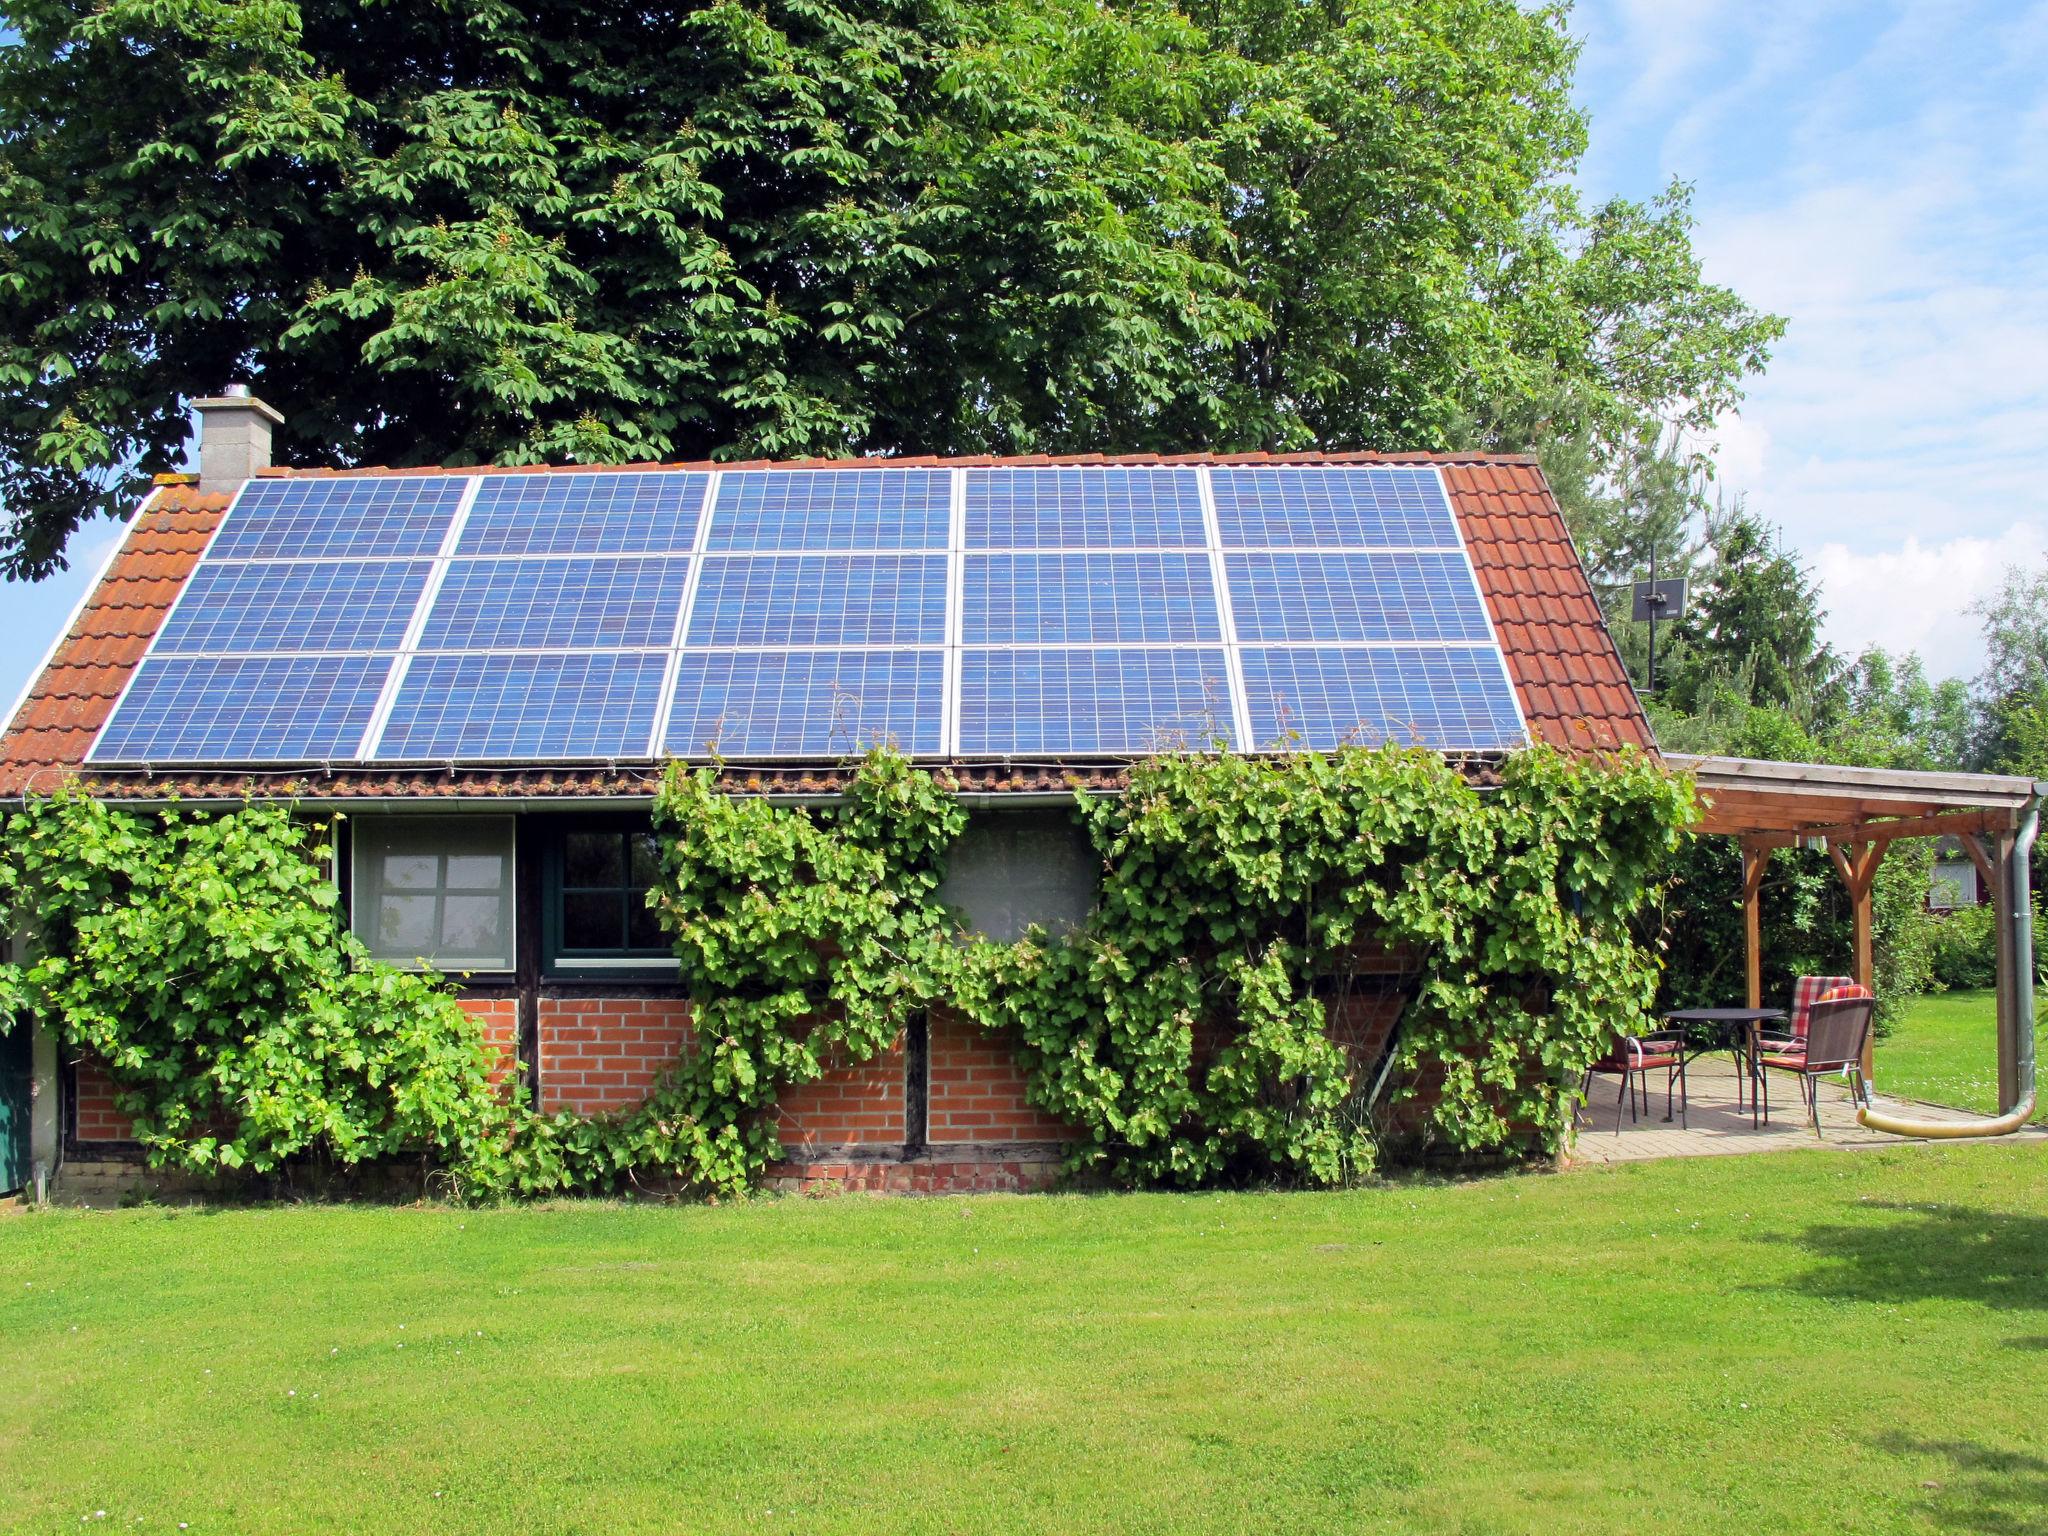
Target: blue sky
(1877,172)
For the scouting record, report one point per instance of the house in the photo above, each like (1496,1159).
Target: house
(484,669)
(1953,882)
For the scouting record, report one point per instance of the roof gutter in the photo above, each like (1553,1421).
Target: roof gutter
(458,805)
(2020,912)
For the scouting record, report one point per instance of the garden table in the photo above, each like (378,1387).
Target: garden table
(1728,1029)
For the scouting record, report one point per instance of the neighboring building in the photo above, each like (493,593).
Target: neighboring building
(485,668)
(1955,882)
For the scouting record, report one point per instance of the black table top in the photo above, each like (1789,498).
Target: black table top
(1724,1015)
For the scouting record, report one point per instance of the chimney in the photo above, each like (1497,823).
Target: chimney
(234,439)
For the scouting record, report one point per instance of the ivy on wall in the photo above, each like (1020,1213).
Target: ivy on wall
(202,960)
(1181,1029)
(1231,884)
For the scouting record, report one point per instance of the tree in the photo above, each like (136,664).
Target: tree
(1752,628)
(1891,714)
(2011,692)
(466,232)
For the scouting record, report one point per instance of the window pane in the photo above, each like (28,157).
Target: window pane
(646,860)
(591,921)
(594,858)
(405,926)
(411,871)
(471,926)
(643,926)
(475,872)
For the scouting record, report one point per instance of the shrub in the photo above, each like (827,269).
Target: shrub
(1965,948)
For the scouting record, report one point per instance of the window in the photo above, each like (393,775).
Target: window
(435,890)
(1954,885)
(598,877)
(1012,870)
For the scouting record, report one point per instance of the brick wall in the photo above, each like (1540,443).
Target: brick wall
(861,1105)
(598,1054)
(498,1017)
(93,1103)
(1361,1022)
(977,1089)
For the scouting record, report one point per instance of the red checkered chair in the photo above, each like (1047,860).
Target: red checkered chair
(1787,1050)
(1634,1058)
(1838,1028)
(1807,991)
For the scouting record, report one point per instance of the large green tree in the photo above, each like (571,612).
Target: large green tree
(2011,692)
(470,230)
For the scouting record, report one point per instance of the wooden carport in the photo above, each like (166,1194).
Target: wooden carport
(1857,814)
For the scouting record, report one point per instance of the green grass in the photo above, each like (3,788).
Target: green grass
(1945,1050)
(1815,1341)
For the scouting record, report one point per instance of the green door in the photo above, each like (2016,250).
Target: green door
(16,1074)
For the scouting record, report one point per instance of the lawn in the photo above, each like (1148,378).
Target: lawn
(1945,1050)
(1816,1341)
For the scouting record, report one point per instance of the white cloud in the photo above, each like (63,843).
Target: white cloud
(1917,596)
(1874,172)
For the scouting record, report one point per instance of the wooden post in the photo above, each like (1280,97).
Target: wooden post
(1754,857)
(1858,869)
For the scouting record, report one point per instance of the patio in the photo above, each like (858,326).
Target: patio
(1714,1128)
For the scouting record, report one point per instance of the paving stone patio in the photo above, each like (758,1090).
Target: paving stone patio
(1714,1128)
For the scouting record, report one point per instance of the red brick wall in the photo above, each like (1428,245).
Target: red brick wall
(848,1106)
(605,1053)
(1360,1023)
(97,1119)
(977,1089)
(499,1019)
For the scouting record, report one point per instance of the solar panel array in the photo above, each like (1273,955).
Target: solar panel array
(624,616)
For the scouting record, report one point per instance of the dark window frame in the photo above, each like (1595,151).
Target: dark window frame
(624,963)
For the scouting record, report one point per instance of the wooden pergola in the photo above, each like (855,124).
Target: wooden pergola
(1857,814)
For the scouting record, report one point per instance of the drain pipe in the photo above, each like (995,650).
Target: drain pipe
(2020,903)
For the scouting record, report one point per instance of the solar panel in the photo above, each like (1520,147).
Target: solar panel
(845,509)
(243,709)
(817,704)
(798,600)
(557,604)
(1057,599)
(1084,507)
(1291,506)
(541,706)
(1052,610)
(295,606)
(1093,701)
(585,513)
(1445,698)
(320,518)
(1426,595)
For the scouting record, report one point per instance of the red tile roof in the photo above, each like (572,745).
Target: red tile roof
(68,702)
(1567,672)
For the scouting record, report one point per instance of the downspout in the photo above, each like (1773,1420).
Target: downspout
(2019,901)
